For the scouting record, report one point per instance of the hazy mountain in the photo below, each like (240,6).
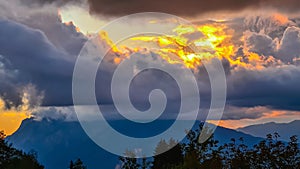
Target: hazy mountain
(285,130)
(58,142)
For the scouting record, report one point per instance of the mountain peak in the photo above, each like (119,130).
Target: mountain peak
(54,139)
(285,130)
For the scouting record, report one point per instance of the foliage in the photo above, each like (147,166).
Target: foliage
(78,164)
(130,162)
(11,158)
(269,153)
(170,158)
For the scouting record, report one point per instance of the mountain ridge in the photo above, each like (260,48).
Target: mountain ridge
(285,130)
(57,142)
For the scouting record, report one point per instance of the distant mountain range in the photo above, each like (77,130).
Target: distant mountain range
(57,142)
(285,130)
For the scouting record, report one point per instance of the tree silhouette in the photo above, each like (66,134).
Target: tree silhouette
(78,164)
(167,155)
(292,154)
(235,155)
(268,153)
(130,162)
(71,166)
(201,155)
(11,158)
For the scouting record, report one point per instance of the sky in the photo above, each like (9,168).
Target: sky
(257,41)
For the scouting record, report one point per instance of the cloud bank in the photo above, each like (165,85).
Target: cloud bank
(186,8)
(41,51)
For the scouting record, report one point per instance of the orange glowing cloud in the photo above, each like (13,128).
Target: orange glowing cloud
(191,45)
(280,116)
(11,118)
(281,18)
(72,24)
(213,42)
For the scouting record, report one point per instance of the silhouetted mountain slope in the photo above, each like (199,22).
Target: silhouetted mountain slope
(58,142)
(285,130)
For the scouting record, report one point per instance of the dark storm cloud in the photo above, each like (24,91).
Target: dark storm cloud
(38,49)
(34,60)
(42,51)
(29,57)
(274,87)
(237,113)
(63,36)
(275,39)
(259,43)
(184,8)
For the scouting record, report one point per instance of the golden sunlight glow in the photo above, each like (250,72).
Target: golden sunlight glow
(191,45)
(72,24)
(86,23)
(281,18)
(212,40)
(279,116)
(10,119)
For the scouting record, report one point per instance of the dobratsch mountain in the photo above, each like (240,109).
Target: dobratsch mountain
(57,142)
